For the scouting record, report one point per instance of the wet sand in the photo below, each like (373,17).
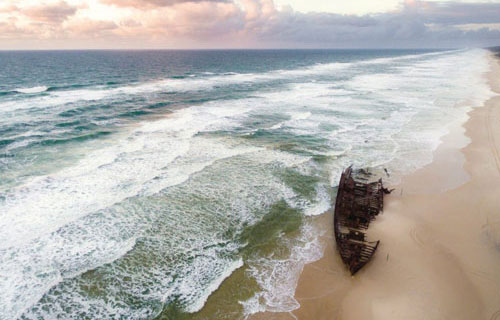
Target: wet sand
(439,256)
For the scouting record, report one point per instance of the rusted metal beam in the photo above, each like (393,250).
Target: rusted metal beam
(358,202)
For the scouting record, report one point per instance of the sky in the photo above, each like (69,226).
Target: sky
(206,24)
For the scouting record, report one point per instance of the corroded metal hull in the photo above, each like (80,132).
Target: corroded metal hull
(358,203)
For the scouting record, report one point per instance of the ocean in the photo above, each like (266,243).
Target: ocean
(183,184)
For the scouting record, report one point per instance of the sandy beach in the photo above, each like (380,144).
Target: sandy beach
(439,256)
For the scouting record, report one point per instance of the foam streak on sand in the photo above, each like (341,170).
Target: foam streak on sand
(440,236)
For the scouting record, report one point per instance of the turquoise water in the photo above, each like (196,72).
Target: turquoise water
(133,183)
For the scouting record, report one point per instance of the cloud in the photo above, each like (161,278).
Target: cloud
(9,30)
(202,20)
(409,26)
(90,28)
(8,7)
(250,23)
(453,12)
(52,13)
(148,4)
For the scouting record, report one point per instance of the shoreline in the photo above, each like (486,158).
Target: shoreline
(440,238)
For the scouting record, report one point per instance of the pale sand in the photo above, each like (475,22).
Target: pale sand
(439,256)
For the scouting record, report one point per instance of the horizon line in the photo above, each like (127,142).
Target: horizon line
(248,49)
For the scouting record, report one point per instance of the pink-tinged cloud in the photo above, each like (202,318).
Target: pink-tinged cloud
(148,4)
(52,13)
(203,21)
(90,28)
(258,10)
(248,23)
(200,20)
(9,30)
(8,8)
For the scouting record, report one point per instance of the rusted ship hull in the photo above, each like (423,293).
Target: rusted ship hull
(358,202)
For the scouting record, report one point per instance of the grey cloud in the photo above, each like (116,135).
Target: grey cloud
(453,12)
(407,27)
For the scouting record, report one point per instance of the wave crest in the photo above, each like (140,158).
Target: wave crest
(37,89)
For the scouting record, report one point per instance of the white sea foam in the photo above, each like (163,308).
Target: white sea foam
(408,57)
(32,89)
(198,305)
(322,202)
(109,175)
(83,217)
(210,81)
(278,277)
(434,93)
(143,161)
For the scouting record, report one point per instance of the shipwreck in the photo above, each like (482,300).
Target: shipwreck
(359,201)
